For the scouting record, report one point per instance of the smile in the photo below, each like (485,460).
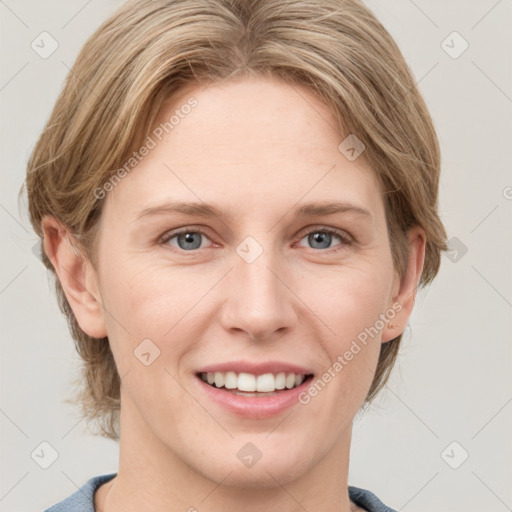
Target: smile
(248,384)
(251,395)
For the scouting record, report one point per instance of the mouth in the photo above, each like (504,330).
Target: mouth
(252,385)
(251,389)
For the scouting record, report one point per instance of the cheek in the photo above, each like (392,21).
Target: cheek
(349,299)
(350,304)
(155,302)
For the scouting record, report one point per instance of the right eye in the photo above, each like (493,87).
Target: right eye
(186,239)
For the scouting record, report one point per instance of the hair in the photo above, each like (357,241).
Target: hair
(150,49)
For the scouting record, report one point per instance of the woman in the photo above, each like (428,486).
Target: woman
(238,200)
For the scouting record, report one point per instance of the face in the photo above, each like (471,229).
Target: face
(270,282)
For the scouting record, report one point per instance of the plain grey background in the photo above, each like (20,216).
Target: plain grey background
(438,438)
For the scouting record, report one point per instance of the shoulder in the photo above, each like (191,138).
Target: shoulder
(82,500)
(367,500)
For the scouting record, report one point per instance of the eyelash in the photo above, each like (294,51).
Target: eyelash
(344,237)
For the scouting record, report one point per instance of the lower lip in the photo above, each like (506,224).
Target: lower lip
(253,406)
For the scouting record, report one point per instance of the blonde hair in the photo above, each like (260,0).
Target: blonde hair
(149,49)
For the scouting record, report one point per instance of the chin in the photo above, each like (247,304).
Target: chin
(273,465)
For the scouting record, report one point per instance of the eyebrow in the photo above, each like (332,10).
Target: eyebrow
(198,209)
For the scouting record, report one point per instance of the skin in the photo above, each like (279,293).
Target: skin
(300,301)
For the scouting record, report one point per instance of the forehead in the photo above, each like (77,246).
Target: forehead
(252,141)
(257,113)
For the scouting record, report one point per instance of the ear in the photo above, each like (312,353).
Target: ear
(404,291)
(76,275)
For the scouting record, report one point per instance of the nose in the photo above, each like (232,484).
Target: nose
(260,299)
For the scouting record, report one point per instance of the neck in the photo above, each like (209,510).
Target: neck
(153,477)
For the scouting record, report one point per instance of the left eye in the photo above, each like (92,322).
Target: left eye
(323,237)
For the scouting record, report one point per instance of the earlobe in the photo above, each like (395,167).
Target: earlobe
(404,290)
(76,275)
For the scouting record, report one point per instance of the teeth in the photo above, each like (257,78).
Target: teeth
(247,382)
(266,382)
(219,379)
(231,380)
(280,380)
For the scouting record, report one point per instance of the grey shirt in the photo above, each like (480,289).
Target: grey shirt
(82,500)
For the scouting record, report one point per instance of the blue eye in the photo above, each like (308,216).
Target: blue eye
(324,237)
(189,239)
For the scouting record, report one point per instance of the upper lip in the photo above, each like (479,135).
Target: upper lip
(256,368)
